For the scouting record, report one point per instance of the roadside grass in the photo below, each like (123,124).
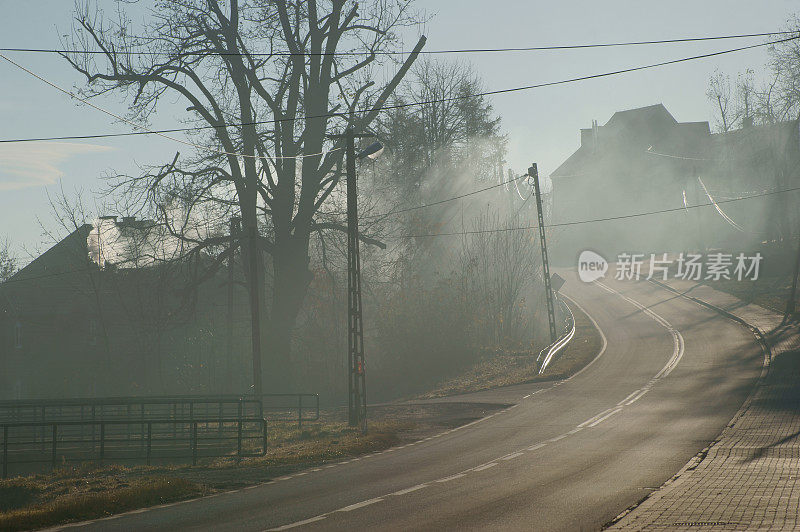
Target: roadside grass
(88,491)
(508,368)
(105,497)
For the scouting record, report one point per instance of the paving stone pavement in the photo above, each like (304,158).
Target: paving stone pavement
(749,479)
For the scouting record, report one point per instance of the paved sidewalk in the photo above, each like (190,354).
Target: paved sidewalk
(749,479)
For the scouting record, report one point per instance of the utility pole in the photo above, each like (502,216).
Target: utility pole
(356,381)
(235,225)
(255,309)
(791,303)
(357,393)
(551,311)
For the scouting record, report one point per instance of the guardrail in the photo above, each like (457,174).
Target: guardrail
(167,438)
(560,343)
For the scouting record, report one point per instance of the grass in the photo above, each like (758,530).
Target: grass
(508,368)
(82,504)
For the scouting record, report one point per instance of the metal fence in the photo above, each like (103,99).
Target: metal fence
(120,429)
(122,440)
(300,407)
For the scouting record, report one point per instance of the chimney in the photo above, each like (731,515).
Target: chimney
(587,136)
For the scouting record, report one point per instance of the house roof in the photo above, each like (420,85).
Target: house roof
(633,131)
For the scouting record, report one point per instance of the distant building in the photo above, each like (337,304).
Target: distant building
(103,313)
(643,160)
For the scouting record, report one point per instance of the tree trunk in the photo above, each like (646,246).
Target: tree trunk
(290,284)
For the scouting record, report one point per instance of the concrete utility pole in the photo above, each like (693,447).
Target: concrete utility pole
(255,310)
(235,228)
(791,303)
(551,311)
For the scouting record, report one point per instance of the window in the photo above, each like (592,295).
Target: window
(18,335)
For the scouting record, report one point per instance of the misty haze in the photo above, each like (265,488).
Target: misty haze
(399,265)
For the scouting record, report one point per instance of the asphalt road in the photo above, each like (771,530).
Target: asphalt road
(566,456)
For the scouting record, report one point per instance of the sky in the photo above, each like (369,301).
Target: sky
(542,124)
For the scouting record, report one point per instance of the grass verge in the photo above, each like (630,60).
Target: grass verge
(81,504)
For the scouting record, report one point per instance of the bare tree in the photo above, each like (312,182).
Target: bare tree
(8,263)
(719,93)
(266,81)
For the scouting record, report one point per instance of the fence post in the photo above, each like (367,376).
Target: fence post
(299,411)
(194,443)
(5,451)
(239,441)
(94,427)
(149,440)
(55,436)
(102,440)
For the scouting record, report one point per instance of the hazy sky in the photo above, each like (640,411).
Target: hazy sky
(542,124)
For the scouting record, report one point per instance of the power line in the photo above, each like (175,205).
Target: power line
(485,231)
(390,213)
(405,52)
(143,129)
(396,105)
(594,220)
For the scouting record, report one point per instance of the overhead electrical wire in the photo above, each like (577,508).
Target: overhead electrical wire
(164,132)
(594,220)
(418,207)
(405,52)
(149,131)
(488,231)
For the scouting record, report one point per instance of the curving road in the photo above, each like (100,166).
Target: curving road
(566,456)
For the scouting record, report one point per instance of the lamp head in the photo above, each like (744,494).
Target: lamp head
(372,151)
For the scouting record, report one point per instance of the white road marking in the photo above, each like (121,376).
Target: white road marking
(559,437)
(358,505)
(409,490)
(536,447)
(300,523)
(484,466)
(638,396)
(511,456)
(634,392)
(453,477)
(606,417)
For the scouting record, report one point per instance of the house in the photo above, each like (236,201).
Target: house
(107,312)
(644,161)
